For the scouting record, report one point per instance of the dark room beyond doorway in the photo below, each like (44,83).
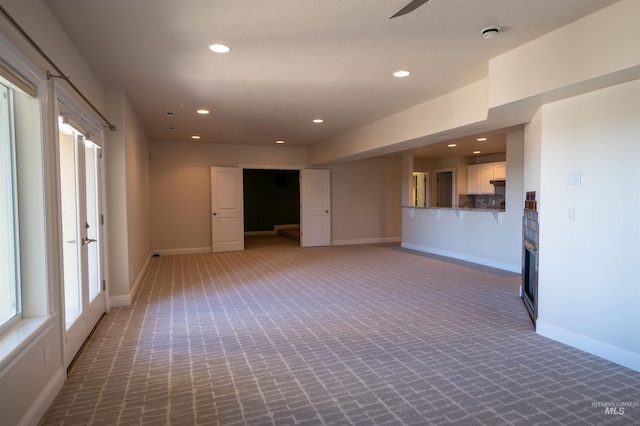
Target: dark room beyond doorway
(271,197)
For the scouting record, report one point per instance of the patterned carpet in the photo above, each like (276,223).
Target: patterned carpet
(364,335)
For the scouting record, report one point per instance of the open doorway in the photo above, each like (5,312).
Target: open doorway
(443,189)
(272,202)
(420,194)
(242,208)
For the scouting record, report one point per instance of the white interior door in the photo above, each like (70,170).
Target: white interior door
(315,215)
(227,209)
(80,177)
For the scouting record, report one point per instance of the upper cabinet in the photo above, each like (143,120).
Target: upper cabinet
(500,170)
(479,177)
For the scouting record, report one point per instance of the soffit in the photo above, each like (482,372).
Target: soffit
(293,60)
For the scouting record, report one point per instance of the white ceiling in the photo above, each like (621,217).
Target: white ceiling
(293,60)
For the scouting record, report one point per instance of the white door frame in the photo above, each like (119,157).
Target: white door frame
(276,167)
(88,236)
(93,309)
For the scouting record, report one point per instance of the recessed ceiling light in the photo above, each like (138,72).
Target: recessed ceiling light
(401,73)
(451,145)
(481,139)
(202,111)
(195,137)
(280,142)
(219,48)
(476,152)
(318,120)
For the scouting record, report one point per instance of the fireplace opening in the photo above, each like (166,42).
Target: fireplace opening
(530,280)
(530,238)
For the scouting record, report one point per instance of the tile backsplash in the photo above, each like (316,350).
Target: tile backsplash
(488,201)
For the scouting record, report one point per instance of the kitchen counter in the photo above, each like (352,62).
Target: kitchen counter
(469,209)
(458,212)
(491,237)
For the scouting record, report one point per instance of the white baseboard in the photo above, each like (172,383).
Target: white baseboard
(517,268)
(117,301)
(138,282)
(178,251)
(366,241)
(595,347)
(39,407)
(126,299)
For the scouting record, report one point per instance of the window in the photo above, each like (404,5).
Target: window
(9,281)
(27,208)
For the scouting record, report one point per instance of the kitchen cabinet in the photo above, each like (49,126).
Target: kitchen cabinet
(479,177)
(500,170)
(473,180)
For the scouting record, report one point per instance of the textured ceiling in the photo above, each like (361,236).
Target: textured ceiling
(293,60)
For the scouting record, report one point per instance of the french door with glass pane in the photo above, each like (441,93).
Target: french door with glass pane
(80,193)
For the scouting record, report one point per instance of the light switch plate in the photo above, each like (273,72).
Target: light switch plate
(574,178)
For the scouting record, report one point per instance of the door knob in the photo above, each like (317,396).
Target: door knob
(86,241)
(215,214)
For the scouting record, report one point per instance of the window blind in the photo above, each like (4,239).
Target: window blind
(16,79)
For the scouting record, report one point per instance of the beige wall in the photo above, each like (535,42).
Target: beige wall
(181,186)
(138,193)
(532,144)
(128,194)
(589,292)
(366,200)
(116,217)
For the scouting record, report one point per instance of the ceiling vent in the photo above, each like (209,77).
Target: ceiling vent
(490,32)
